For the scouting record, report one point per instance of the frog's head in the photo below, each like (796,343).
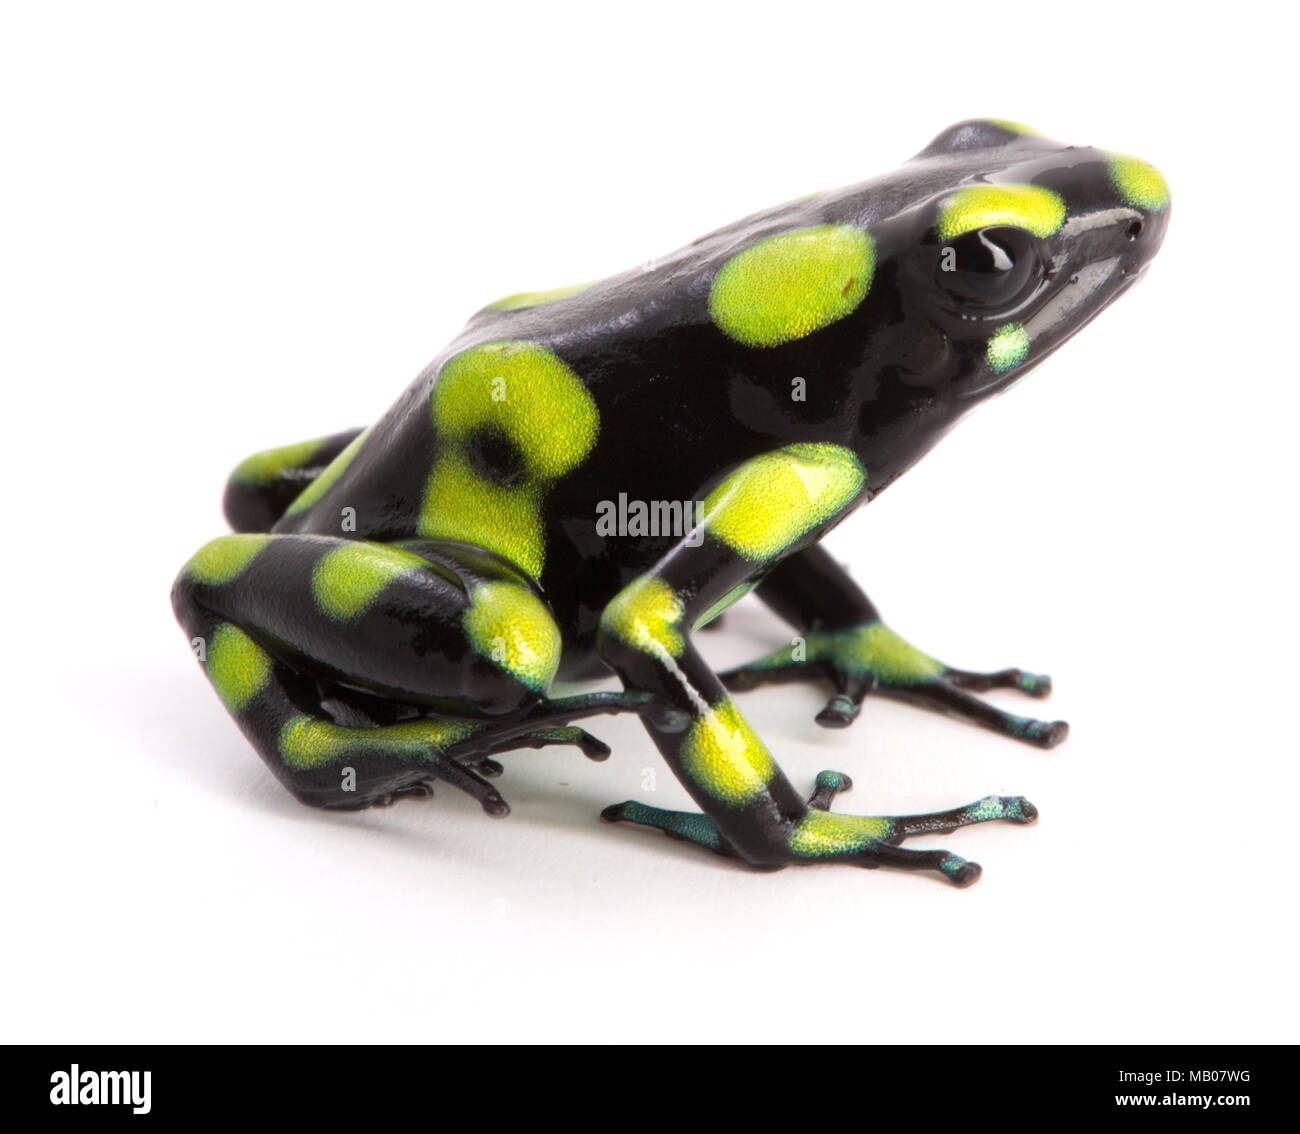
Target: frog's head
(1021,244)
(994,245)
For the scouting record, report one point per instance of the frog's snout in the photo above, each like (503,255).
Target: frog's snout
(1145,192)
(1144,235)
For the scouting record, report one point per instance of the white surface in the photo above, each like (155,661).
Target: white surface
(239,228)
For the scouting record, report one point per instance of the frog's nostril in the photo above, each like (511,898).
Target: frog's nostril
(1135,230)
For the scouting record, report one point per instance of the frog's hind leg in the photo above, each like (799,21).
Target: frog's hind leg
(263,486)
(361,671)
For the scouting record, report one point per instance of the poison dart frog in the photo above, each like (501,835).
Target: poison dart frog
(396,601)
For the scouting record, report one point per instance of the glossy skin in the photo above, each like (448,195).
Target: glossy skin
(424,581)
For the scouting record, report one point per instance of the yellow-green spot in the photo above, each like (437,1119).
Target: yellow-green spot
(527,394)
(646,614)
(306,743)
(876,649)
(773,499)
(1008,347)
(237,666)
(460,505)
(225,557)
(1139,183)
(511,627)
(1012,127)
(537,298)
(271,464)
(347,580)
(328,475)
(792,284)
(1040,211)
(723,755)
(822,833)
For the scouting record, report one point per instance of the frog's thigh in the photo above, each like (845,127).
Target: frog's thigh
(380,617)
(274,618)
(264,485)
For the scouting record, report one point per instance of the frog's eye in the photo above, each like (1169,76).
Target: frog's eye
(990,267)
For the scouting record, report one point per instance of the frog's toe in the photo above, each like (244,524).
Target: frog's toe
(450,771)
(1048,734)
(590,746)
(1037,685)
(873,841)
(1021,811)
(691,826)
(829,785)
(960,872)
(843,708)
(840,712)
(1034,684)
(1041,734)
(942,695)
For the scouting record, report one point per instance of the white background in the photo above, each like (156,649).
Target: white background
(241,225)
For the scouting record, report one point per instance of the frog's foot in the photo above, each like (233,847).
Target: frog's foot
(861,840)
(466,767)
(869,658)
(590,746)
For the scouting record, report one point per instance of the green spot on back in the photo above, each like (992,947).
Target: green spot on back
(225,557)
(460,505)
(537,298)
(348,579)
(792,284)
(527,394)
(237,666)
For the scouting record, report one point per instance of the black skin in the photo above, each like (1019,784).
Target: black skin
(681,405)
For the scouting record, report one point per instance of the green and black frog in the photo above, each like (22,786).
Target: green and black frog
(397,601)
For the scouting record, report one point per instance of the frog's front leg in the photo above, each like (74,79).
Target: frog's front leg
(362,671)
(842,638)
(766,509)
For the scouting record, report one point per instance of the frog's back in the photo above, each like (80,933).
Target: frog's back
(631,366)
(645,386)
(558,397)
